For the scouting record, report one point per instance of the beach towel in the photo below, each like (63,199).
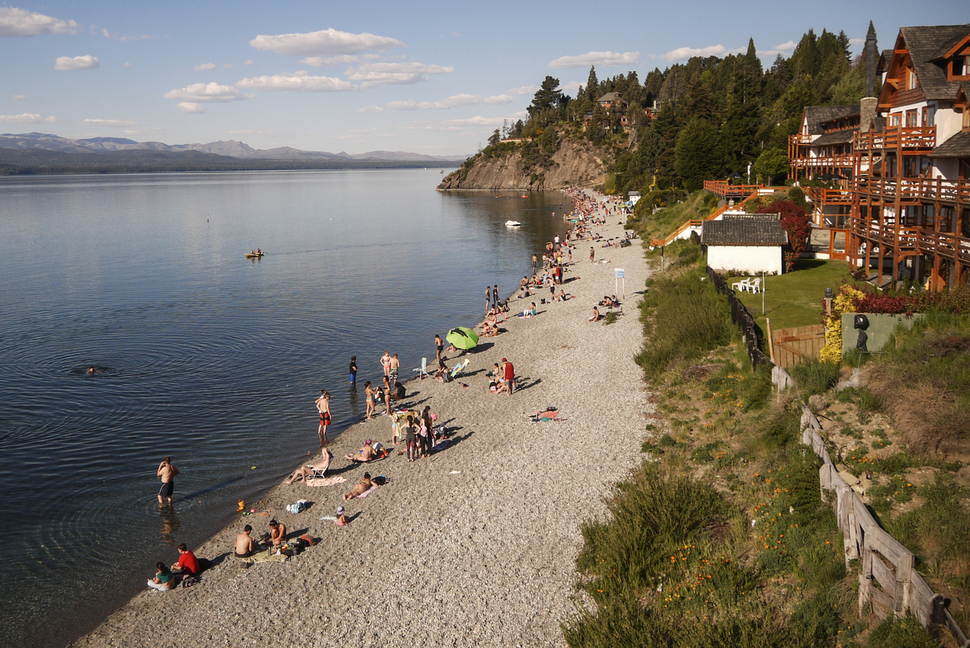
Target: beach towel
(368,491)
(266,556)
(326,481)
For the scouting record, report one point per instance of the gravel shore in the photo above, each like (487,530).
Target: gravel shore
(474,546)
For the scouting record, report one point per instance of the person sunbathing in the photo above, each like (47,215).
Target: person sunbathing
(365,485)
(303,472)
(488,331)
(595,317)
(365,455)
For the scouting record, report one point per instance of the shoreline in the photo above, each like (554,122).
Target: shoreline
(474,544)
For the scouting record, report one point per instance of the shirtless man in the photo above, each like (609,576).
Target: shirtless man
(395,369)
(277,533)
(365,485)
(167,472)
(245,545)
(323,406)
(365,455)
(306,471)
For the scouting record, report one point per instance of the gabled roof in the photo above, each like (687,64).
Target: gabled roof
(836,137)
(957,146)
(816,116)
(926,46)
(759,230)
(610,97)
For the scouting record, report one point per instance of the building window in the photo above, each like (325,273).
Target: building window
(961,65)
(910,118)
(910,79)
(893,119)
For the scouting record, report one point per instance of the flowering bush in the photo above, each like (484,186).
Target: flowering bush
(847,301)
(798,225)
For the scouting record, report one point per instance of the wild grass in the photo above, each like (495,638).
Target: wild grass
(686,318)
(814,376)
(923,383)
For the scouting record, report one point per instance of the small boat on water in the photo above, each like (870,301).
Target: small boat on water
(255,255)
(512,223)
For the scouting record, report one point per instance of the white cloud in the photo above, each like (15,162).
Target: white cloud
(250,62)
(18,97)
(402,105)
(597,58)
(123,39)
(684,53)
(328,42)
(86,62)
(523,90)
(297,82)
(18,22)
(204,66)
(110,123)
(329,61)
(570,88)
(784,48)
(190,108)
(376,74)
(456,101)
(211,92)
(27,118)
(372,109)
(854,41)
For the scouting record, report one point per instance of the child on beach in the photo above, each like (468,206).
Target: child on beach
(341,518)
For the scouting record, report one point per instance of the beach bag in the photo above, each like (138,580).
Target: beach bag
(298,507)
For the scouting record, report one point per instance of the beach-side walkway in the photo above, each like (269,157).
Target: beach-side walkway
(474,546)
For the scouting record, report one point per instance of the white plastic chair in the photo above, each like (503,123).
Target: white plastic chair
(754,285)
(741,286)
(423,369)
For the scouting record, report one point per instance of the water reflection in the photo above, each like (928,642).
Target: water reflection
(170,525)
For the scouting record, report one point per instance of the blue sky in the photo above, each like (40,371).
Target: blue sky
(433,77)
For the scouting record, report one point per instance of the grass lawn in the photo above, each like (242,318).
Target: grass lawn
(795,298)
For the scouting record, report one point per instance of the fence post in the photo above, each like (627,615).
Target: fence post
(904,574)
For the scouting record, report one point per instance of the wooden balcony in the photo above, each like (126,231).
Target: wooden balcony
(915,190)
(915,240)
(842,160)
(893,137)
(822,197)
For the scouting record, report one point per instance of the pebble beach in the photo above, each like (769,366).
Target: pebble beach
(472,546)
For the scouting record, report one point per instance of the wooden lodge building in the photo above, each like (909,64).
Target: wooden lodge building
(897,167)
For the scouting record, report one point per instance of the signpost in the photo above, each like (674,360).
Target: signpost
(618,277)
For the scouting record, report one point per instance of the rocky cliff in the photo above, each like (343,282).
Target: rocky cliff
(573,163)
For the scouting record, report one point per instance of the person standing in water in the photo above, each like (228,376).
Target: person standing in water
(167,472)
(323,406)
(353,370)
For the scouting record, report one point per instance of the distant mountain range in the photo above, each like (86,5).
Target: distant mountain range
(41,153)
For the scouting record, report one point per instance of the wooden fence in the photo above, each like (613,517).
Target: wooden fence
(888,580)
(793,345)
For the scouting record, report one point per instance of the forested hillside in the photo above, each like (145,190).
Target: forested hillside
(703,119)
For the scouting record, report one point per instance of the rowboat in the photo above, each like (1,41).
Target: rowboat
(255,255)
(512,223)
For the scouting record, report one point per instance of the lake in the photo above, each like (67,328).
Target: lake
(203,355)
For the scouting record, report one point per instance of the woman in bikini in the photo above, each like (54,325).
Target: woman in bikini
(369,392)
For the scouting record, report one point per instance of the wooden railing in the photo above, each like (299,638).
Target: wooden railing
(839,160)
(676,234)
(714,186)
(915,189)
(915,240)
(907,137)
(821,196)
(726,190)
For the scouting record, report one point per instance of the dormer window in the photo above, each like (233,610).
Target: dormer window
(960,67)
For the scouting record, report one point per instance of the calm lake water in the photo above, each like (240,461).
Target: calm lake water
(202,354)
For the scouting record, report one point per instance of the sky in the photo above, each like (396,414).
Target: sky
(435,78)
